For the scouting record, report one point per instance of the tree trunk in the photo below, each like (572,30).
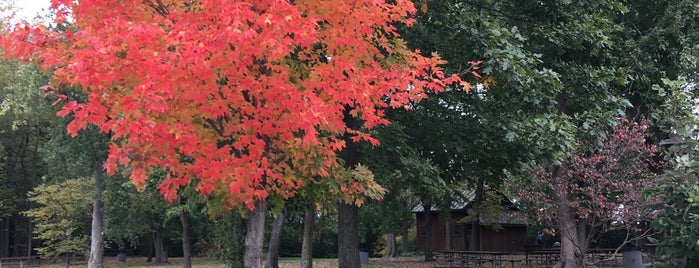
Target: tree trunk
(571,254)
(405,239)
(254,236)
(30,228)
(571,245)
(96,238)
(16,240)
(150,247)
(275,242)
(68,255)
(307,244)
(186,247)
(348,215)
(5,236)
(475,238)
(449,241)
(348,236)
(428,232)
(159,247)
(390,245)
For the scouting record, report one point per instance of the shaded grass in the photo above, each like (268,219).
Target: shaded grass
(140,262)
(134,262)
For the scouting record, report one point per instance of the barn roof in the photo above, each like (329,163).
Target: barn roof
(455,205)
(466,199)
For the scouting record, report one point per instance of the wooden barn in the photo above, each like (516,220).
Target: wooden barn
(511,236)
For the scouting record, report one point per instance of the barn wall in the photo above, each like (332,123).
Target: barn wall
(510,239)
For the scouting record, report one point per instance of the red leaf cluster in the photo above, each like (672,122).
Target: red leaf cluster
(604,186)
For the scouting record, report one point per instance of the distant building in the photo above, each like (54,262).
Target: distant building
(512,237)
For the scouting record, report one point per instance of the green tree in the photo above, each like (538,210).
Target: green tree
(59,215)
(471,136)
(68,157)
(227,234)
(25,120)
(408,176)
(129,214)
(678,220)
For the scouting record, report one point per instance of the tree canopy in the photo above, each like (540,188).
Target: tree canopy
(241,91)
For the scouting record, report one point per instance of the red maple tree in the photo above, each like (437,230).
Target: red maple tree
(236,96)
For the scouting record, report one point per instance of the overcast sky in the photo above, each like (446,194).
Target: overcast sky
(28,9)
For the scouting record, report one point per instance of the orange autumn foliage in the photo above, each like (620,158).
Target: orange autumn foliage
(236,96)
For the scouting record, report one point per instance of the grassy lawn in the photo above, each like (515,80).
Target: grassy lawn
(135,262)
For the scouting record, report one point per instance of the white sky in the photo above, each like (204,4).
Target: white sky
(28,9)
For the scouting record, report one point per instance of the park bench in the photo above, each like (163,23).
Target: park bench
(21,262)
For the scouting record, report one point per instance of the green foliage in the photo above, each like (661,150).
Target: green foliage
(228,236)
(678,213)
(679,222)
(130,214)
(59,216)
(399,167)
(25,118)
(490,211)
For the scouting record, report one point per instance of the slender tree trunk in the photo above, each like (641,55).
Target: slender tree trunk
(390,245)
(475,239)
(254,237)
(5,243)
(405,239)
(449,241)
(307,244)
(96,238)
(348,236)
(428,232)
(151,246)
(275,242)
(159,247)
(16,241)
(30,230)
(68,255)
(186,247)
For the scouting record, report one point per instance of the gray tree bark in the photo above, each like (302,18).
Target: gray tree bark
(390,245)
(159,247)
(96,238)
(275,242)
(429,256)
(254,236)
(307,244)
(348,236)
(447,232)
(186,247)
